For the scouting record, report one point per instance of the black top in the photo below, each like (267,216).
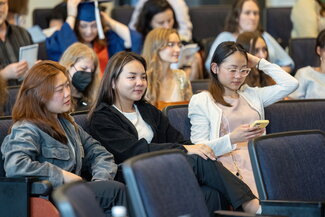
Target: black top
(119,136)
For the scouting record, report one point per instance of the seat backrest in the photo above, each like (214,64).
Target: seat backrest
(289,115)
(80,118)
(122,14)
(302,51)
(177,116)
(289,166)
(41,17)
(163,184)
(275,16)
(200,84)
(76,200)
(208,20)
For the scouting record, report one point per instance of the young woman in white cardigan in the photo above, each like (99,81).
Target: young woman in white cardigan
(221,116)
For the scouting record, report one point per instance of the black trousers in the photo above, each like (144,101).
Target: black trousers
(108,194)
(214,175)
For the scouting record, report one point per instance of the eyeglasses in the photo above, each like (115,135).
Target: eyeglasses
(242,71)
(172,44)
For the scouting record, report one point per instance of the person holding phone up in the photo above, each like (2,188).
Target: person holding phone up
(221,116)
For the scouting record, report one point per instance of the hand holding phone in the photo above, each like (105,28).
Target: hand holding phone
(260,123)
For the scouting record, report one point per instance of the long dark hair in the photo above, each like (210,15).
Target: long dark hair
(224,50)
(36,90)
(114,67)
(149,10)
(232,20)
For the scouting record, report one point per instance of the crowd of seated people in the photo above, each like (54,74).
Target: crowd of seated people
(126,78)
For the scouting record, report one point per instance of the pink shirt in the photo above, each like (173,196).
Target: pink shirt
(238,161)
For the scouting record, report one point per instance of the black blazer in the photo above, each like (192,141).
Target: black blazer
(119,136)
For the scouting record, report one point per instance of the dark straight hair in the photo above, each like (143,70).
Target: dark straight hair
(320,40)
(224,50)
(114,67)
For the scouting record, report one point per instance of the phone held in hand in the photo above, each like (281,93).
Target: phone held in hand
(260,123)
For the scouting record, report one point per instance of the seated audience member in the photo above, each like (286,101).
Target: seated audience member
(217,114)
(127,126)
(245,17)
(312,79)
(165,85)
(254,43)
(160,14)
(143,18)
(45,141)
(81,26)
(308,18)
(17,12)
(82,64)
(12,38)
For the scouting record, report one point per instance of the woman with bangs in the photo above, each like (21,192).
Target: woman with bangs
(245,17)
(44,140)
(165,85)
(254,43)
(82,64)
(221,117)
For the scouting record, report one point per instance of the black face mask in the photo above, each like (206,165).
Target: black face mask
(81,80)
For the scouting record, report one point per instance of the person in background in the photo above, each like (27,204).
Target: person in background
(82,64)
(12,37)
(181,18)
(221,116)
(254,43)
(45,141)
(160,14)
(127,126)
(81,25)
(18,10)
(165,85)
(308,18)
(245,17)
(312,79)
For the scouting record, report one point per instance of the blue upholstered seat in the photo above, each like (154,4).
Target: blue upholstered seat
(76,200)
(177,116)
(163,184)
(290,167)
(289,115)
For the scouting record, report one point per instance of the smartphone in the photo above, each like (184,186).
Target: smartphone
(260,123)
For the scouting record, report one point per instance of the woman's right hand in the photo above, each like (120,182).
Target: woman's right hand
(244,132)
(70,177)
(72,7)
(202,150)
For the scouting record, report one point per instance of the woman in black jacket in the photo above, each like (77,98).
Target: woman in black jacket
(128,126)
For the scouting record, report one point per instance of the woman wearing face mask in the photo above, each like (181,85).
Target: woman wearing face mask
(221,116)
(312,79)
(45,141)
(254,43)
(81,25)
(245,17)
(127,125)
(165,86)
(82,64)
